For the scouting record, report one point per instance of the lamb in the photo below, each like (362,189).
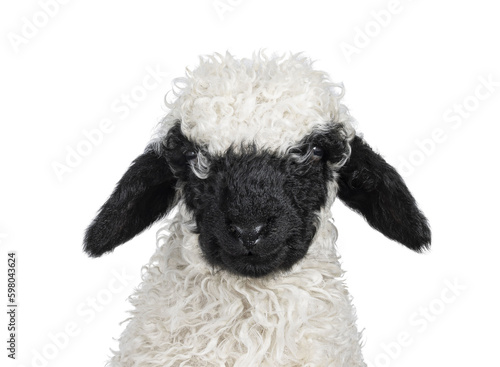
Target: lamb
(252,154)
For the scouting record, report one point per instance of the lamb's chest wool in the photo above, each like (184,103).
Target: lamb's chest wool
(252,155)
(185,308)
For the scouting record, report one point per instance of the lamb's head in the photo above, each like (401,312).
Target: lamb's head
(256,149)
(255,209)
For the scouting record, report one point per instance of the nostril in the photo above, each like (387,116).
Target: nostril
(248,235)
(258,229)
(235,230)
(251,235)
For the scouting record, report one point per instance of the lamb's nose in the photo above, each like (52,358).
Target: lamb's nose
(248,235)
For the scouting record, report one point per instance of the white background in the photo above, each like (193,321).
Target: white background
(65,68)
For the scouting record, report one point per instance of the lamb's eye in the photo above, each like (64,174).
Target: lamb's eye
(317,153)
(190,155)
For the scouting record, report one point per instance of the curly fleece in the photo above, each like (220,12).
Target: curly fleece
(186,313)
(270,102)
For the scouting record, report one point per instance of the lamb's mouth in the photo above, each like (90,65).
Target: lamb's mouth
(252,264)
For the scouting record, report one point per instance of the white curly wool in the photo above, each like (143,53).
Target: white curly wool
(187,313)
(270,102)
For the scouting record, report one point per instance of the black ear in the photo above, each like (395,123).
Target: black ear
(373,188)
(144,194)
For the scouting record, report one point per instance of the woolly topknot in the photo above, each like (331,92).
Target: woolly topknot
(271,102)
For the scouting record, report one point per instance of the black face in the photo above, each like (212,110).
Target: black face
(255,211)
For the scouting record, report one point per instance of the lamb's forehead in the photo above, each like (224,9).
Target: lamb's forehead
(270,102)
